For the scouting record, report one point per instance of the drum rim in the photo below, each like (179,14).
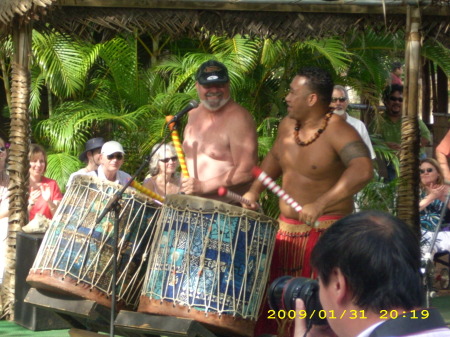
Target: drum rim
(129,190)
(183,200)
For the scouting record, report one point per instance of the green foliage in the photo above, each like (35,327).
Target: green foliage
(378,195)
(60,166)
(80,90)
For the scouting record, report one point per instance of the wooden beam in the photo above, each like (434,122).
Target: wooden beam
(311,6)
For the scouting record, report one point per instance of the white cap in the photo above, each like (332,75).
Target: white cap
(112,147)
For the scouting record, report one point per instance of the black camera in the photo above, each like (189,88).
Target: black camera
(286,289)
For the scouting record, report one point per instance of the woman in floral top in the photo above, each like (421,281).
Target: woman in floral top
(433,196)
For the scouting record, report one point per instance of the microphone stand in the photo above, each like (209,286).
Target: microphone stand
(113,204)
(429,255)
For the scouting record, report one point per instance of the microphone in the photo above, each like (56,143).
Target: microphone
(192,105)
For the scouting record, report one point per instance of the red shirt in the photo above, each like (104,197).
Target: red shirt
(41,205)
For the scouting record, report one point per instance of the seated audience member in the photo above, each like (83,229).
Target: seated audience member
(396,73)
(4,212)
(112,157)
(432,201)
(91,156)
(442,155)
(339,101)
(368,266)
(164,178)
(4,179)
(390,127)
(45,194)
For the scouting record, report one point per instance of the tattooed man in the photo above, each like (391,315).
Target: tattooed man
(323,162)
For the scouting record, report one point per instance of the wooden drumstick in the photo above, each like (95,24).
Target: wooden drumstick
(272,185)
(223,191)
(146,191)
(178,148)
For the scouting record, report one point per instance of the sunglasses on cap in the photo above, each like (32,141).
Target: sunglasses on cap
(396,99)
(117,155)
(166,160)
(428,170)
(340,99)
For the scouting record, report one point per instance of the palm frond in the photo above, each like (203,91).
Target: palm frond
(61,61)
(438,53)
(333,50)
(60,166)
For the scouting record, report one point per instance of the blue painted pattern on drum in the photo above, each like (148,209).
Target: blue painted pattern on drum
(210,261)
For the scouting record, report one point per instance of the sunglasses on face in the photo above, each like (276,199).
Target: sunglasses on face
(118,156)
(166,160)
(428,170)
(340,99)
(396,99)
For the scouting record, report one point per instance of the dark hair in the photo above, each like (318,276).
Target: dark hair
(396,65)
(319,81)
(390,89)
(378,254)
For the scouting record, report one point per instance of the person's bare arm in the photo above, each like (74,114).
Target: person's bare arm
(271,166)
(443,163)
(442,153)
(355,155)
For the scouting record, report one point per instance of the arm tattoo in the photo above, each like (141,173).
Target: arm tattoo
(354,150)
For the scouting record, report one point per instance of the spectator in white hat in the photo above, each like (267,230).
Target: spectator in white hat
(112,157)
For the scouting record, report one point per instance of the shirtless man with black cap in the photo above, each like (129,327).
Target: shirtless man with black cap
(220,142)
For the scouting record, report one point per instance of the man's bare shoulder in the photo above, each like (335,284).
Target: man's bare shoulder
(285,124)
(237,110)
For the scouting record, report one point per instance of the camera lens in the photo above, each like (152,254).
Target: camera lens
(286,289)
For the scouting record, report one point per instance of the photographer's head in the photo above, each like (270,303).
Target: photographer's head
(379,257)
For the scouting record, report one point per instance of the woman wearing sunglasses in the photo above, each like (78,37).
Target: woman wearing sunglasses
(45,194)
(112,157)
(433,195)
(164,164)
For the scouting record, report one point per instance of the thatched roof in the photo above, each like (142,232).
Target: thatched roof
(8,8)
(295,20)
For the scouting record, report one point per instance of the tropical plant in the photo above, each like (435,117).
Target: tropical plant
(110,89)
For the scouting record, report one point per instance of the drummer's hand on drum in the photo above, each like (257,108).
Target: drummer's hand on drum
(311,212)
(253,198)
(191,186)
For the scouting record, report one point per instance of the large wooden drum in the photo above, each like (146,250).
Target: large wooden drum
(76,255)
(209,262)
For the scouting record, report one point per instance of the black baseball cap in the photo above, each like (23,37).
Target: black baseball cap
(91,144)
(212,72)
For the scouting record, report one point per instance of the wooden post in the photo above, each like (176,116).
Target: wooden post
(408,191)
(18,165)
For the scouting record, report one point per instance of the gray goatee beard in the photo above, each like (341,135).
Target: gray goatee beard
(217,105)
(339,112)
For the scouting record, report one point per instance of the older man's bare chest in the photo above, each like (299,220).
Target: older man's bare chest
(207,136)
